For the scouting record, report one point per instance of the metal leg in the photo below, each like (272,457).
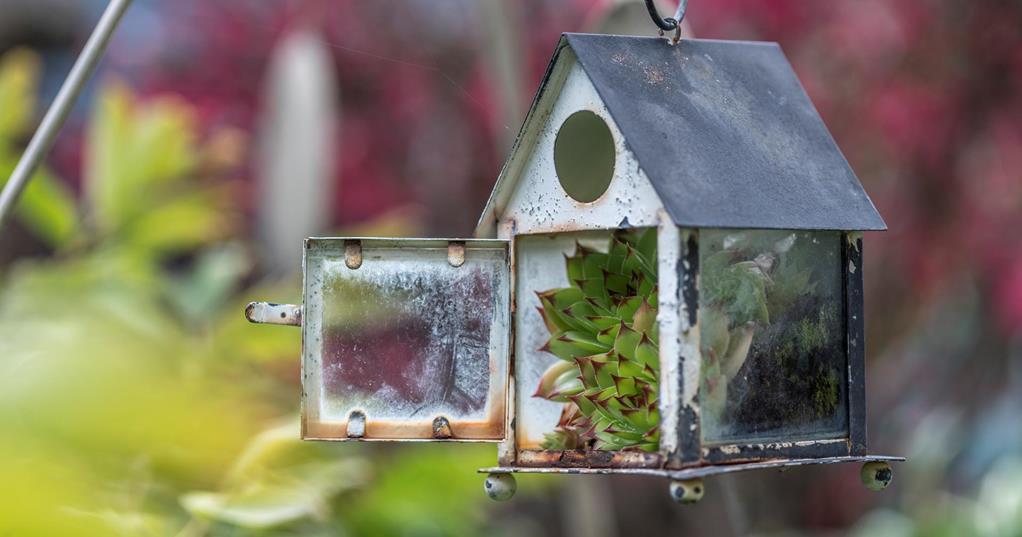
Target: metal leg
(876,475)
(54,119)
(688,491)
(500,486)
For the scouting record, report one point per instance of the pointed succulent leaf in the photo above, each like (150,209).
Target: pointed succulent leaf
(647,353)
(626,342)
(625,385)
(594,288)
(646,287)
(615,283)
(593,264)
(604,328)
(587,372)
(627,308)
(648,375)
(644,318)
(619,245)
(629,367)
(561,439)
(600,308)
(643,264)
(561,298)
(605,371)
(584,404)
(637,418)
(571,344)
(651,447)
(559,381)
(574,268)
(603,322)
(608,335)
(646,244)
(548,379)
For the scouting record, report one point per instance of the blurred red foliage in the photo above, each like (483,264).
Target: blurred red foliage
(924,97)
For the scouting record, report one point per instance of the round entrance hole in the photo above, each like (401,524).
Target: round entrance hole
(584,156)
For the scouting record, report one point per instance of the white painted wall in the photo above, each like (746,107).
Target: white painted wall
(538,204)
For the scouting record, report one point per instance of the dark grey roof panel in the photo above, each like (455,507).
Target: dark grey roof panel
(726,133)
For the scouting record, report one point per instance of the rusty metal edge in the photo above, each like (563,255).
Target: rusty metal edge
(695,472)
(540,458)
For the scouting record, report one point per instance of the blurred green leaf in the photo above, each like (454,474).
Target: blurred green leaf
(46,206)
(142,162)
(184,222)
(279,480)
(131,349)
(128,523)
(216,275)
(426,490)
(19,78)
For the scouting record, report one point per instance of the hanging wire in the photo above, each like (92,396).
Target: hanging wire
(54,119)
(670,23)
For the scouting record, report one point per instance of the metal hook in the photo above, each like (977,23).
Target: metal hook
(670,23)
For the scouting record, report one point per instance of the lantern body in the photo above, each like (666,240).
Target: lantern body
(753,223)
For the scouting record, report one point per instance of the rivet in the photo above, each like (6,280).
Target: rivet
(442,428)
(356,424)
(456,253)
(353,254)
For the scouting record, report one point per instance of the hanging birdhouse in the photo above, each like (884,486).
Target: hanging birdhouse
(667,281)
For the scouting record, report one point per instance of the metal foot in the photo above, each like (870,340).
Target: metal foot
(500,487)
(690,491)
(876,475)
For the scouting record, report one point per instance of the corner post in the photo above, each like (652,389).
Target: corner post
(678,268)
(855,342)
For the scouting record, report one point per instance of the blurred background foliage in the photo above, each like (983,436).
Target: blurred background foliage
(135,399)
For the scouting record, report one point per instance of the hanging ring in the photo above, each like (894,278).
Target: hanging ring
(670,23)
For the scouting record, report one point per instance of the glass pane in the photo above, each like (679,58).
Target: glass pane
(406,338)
(771,318)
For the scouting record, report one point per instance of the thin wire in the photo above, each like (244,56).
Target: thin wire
(57,114)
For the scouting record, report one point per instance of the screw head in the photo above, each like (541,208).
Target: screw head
(876,475)
(690,491)
(500,487)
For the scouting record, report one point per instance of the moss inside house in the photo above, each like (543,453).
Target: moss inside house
(772,338)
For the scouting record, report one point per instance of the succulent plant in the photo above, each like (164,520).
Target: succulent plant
(603,330)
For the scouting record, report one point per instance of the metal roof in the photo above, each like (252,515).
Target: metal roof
(725,132)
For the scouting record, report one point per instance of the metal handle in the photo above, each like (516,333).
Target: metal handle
(270,313)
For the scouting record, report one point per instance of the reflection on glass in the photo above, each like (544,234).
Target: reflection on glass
(407,337)
(771,336)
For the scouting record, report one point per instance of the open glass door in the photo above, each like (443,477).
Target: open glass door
(403,339)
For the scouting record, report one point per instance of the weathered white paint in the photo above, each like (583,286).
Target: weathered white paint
(529,200)
(669,321)
(690,341)
(528,191)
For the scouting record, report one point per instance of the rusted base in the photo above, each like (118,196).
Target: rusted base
(537,458)
(695,472)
